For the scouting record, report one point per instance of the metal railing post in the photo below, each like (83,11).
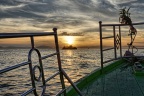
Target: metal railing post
(101,44)
(32,41)
(31,73)
(114,33)
(30,66)
(120,42)
(59,61)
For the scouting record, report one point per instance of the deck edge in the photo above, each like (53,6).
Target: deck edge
(94,75)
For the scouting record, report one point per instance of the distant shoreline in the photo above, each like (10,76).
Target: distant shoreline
(59,47)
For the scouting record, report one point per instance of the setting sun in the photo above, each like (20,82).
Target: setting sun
(69,40)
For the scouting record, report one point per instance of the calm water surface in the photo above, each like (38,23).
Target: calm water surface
(76,63)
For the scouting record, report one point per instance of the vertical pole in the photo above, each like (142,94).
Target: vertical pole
(59,61)
(101,45)
(120,42)
(114,33)
(30,65)
(32,41)
(31,74)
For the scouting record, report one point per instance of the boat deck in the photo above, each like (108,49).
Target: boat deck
(116,83)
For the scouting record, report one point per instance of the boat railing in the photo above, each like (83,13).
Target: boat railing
(41,77)
(116,36)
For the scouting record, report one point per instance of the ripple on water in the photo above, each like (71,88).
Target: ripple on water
(5,85)
(76,63)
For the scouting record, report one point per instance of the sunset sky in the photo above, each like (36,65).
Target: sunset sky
(76,20)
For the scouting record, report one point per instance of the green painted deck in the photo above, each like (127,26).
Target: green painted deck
(116,83)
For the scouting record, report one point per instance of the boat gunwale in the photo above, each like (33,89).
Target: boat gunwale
(86,80)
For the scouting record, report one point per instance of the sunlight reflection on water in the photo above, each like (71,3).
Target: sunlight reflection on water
(76,63)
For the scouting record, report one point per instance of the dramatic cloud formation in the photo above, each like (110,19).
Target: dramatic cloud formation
(71,17)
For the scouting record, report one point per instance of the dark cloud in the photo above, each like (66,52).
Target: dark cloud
(71,34)
(8,2)
(19,13)
(83,15)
